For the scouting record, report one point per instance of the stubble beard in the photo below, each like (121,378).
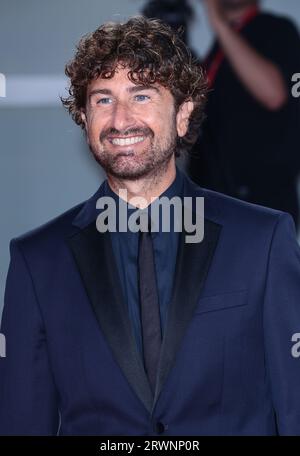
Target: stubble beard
(153,160)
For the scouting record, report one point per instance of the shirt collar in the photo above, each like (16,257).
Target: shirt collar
(174,189)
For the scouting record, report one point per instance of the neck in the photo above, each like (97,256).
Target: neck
(148,187)
(235,15)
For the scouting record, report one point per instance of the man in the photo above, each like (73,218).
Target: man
(249,144)
(143,333)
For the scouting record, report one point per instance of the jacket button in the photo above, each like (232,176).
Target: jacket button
(160,427)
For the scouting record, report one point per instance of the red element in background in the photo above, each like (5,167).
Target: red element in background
(213,68)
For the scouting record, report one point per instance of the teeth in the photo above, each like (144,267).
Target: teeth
(127,141)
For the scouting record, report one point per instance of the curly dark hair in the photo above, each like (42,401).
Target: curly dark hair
(153,52)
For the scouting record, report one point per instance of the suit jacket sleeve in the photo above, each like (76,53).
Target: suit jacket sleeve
(281,322)
(28,400)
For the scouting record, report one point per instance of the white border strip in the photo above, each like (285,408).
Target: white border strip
(33,91)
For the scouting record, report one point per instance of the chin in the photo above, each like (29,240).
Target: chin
(127,174)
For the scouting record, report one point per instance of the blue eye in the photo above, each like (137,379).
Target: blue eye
(104,101)
(142,97)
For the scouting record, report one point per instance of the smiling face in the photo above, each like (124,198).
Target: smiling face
(132,129)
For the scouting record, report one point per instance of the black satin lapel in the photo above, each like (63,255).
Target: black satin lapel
(94,257)
(192,265)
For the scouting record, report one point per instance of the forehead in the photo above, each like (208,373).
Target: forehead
(121,82)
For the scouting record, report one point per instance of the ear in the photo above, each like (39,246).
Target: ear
(83,117)
(84,120)
(182,117)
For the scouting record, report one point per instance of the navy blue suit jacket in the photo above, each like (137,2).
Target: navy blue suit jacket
(226,365)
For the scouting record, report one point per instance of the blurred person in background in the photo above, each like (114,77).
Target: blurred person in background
(176,13)
(249,145)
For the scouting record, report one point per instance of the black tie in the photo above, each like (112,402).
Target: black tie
(150,316)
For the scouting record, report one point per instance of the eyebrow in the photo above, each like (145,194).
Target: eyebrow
(131,89)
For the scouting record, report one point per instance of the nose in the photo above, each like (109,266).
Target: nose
(122,117)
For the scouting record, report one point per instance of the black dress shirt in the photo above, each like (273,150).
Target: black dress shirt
(165,244)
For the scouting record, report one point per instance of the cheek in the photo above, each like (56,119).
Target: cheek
(95,126)
(161,121)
